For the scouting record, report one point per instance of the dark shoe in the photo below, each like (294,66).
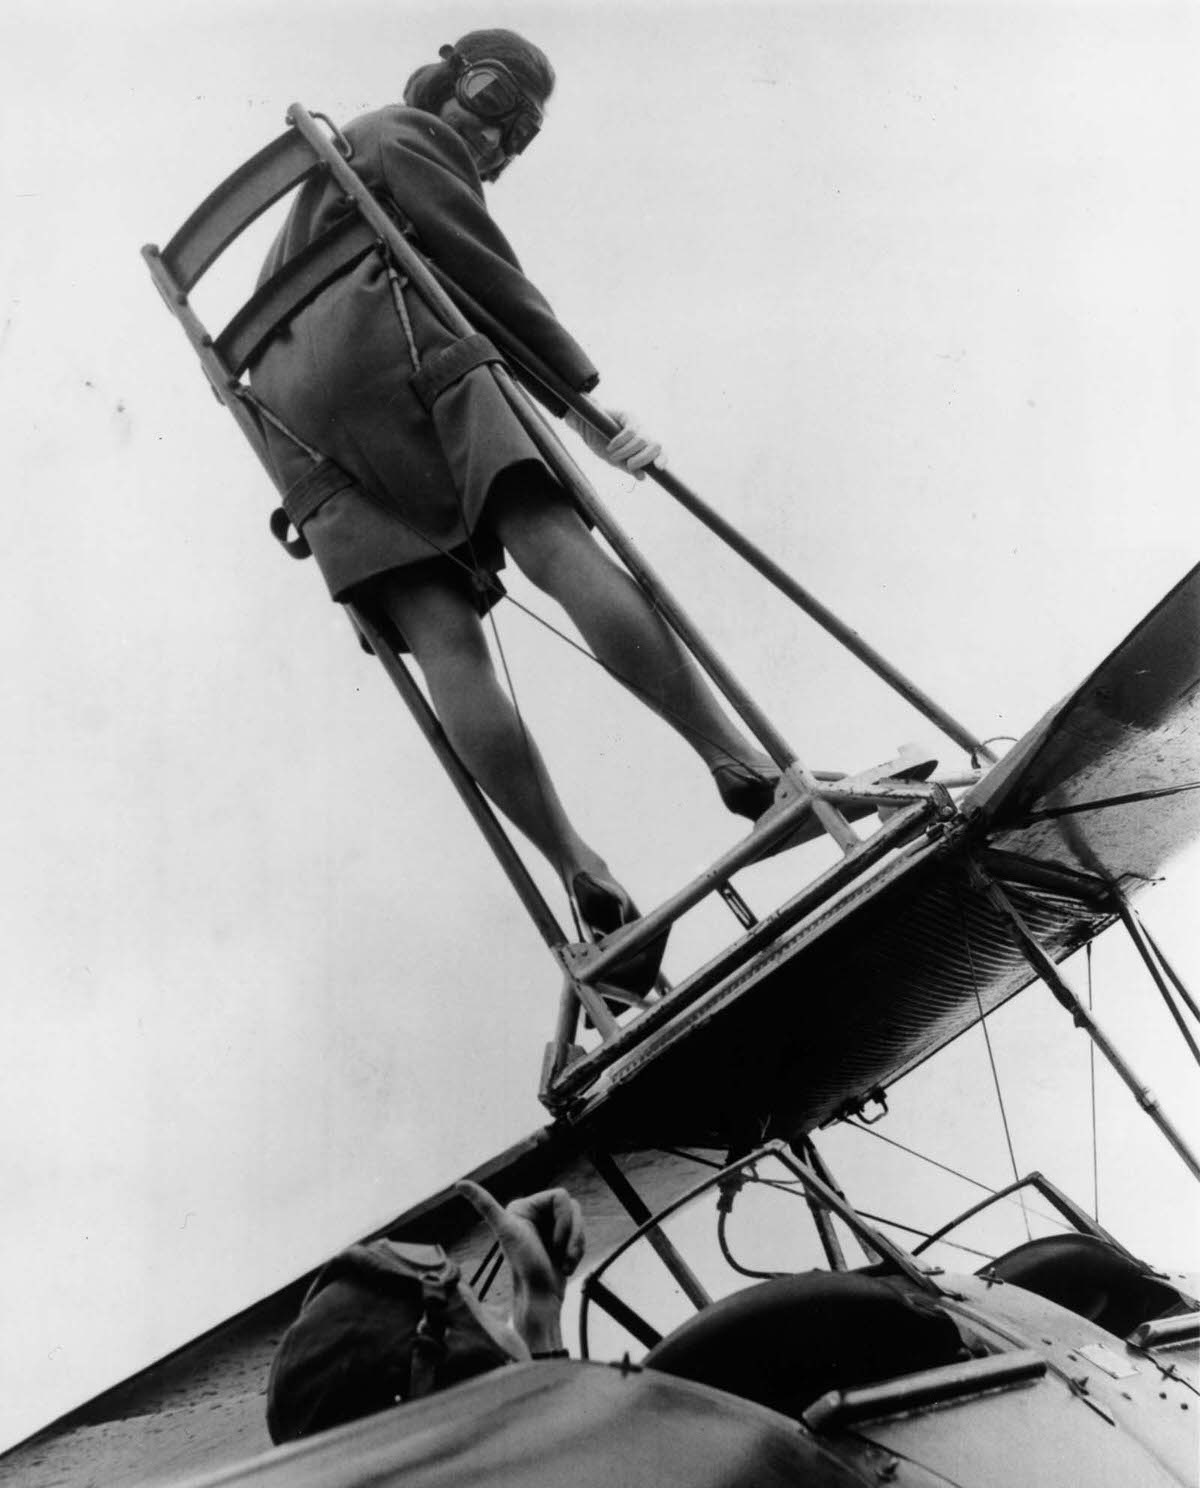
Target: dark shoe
(605,907)
(743,788)
(746,791)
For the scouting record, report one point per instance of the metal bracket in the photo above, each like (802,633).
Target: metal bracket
(878,1096)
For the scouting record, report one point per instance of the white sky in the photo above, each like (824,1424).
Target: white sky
(908,290)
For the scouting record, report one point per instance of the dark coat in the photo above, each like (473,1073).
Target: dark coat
(340,375)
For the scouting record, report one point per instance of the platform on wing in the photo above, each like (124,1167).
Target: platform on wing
(1101,792)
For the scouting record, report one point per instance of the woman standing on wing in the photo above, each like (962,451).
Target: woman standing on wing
(419,516)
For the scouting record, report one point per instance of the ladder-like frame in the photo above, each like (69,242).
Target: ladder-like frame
(909,807)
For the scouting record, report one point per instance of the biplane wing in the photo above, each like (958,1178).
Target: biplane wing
(1107,783)
(1101,792)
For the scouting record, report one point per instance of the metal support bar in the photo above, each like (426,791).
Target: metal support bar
(622,943)
(1172,975)
(807,1152)
(484,817)
(1014,868)
(634,1205)
(219,377)
(766,933)
(621,1313)
(1167,1332)
(1140,940)
(931,1387)
(1082,1018)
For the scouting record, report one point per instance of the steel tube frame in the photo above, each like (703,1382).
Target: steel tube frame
(806,1150)
(584,1071)
(622,943)
(1061,991)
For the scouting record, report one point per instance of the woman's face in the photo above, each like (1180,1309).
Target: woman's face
(483,137)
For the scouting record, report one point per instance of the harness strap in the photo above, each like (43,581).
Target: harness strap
(302,499)
(274,304)
(429,1344)
(444,368)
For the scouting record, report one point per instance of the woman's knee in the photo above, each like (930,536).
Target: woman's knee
(546,538)
(437,620)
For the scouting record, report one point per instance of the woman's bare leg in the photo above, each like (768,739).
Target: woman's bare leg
(553,548)
(439,623)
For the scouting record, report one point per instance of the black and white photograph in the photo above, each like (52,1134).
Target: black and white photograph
(600,847)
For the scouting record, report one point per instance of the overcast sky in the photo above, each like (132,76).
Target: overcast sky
(909,291)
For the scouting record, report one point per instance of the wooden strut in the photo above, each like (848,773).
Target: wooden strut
(806,1150)
(1146,951)
(1050,974)
(635,1206)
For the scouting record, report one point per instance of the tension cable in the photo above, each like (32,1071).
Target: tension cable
(1092,1071)
(987,1038)
(954,1172)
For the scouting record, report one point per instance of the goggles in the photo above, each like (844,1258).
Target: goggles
(489,91)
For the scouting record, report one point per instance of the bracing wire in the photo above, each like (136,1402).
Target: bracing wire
(894,1224)
(682,724)
(987,1037)
(924,1157)
(792,1185)
(1092,1072)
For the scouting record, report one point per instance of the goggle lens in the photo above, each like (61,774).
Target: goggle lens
(492,93)
(488,94)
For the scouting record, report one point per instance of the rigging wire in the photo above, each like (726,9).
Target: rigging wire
(1092,1072)
(924,1157)
(895,1224)
(987,1038)
(487,581)
(870,1131)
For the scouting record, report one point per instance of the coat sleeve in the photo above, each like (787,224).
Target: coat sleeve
(428,172)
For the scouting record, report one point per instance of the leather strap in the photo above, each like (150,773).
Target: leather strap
(444,368)
(301,500)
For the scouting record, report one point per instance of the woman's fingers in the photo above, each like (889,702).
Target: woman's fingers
(631,449)
(487,1207)
(568,1230)
(541,1229)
